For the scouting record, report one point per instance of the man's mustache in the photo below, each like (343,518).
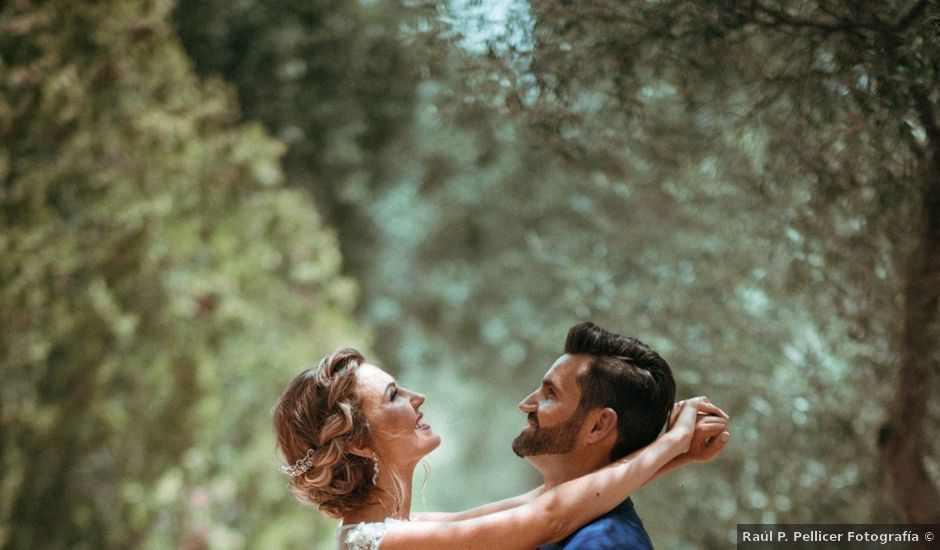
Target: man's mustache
(534,419)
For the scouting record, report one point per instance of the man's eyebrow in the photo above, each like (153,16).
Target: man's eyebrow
(388,388)
(549,384)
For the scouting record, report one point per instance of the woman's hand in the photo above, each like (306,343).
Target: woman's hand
(682,423)
(710,438)
(711,429)
(703,406)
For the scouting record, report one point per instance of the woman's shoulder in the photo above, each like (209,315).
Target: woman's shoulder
(364,536)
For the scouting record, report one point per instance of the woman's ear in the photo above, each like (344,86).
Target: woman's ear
(360,450)
(604,424)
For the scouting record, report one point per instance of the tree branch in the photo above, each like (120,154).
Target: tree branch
(925,112)
(782,18)
(913,15)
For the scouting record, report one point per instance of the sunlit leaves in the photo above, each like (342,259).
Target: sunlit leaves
(159,287)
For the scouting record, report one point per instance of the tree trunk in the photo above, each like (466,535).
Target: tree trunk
(902,440)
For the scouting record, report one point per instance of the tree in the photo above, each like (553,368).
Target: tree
(160,286)
(331,79)
(839,99)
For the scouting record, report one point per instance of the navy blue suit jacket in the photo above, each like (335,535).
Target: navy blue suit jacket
(619,529)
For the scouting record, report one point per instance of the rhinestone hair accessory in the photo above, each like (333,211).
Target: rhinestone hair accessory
(299,467)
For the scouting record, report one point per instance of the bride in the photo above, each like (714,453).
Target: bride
(353,438)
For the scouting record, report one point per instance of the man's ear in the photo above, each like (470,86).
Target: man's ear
(604,424)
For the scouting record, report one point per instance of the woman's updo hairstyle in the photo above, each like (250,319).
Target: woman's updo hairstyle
(320,414)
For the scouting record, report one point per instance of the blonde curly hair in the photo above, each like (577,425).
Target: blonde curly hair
(320,413)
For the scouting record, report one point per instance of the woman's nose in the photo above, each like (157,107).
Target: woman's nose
(417,399)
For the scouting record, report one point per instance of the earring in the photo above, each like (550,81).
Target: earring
(375,468)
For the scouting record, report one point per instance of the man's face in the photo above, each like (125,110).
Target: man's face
(552,409)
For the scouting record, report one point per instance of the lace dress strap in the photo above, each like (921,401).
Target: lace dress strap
(364,536)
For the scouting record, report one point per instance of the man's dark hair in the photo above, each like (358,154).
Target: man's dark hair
(627,376)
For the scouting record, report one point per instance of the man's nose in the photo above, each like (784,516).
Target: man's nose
(529,404)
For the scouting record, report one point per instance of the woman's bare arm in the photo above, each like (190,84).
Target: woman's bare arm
(490,508)
(556,512)
(708,441)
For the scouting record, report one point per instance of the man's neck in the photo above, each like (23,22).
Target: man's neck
(557,469)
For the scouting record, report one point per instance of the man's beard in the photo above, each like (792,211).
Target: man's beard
(546,441)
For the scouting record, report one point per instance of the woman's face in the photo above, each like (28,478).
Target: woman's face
(399,433)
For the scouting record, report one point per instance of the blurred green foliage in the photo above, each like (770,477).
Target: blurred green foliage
(332,80)
(159,286)
(742,188)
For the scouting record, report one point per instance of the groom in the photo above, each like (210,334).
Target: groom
(607,396)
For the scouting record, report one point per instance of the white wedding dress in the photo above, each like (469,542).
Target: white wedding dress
(363,536)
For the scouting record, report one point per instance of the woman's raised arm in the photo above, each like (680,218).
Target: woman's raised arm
(484,509)
(556,512)
(708,440)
